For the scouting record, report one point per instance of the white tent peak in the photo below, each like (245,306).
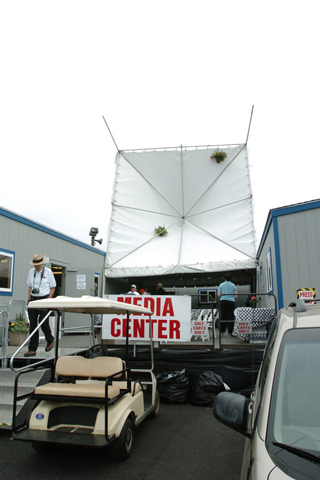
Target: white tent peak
(205,206)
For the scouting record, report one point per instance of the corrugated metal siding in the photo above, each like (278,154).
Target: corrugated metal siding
(299,250)
(25,240)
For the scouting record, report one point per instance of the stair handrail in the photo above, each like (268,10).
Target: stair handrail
(46,360)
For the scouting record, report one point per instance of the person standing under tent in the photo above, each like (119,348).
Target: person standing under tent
(227,293)
(160,290)
(41,284)
(133,290)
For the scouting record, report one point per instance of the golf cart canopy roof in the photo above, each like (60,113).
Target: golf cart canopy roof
(87,304)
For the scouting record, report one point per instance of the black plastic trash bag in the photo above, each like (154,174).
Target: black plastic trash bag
(173,387)
(205,389)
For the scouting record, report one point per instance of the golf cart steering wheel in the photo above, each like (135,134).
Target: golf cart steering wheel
(97,351)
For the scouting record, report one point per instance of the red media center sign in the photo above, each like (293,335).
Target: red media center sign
(170,319)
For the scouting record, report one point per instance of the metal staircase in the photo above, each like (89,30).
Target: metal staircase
(7,375)
(26,385)
(13,360)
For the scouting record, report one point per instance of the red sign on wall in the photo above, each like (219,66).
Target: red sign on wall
(306,294)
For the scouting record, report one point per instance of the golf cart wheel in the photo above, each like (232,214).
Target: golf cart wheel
(155,412)
(41,447)
(121,448)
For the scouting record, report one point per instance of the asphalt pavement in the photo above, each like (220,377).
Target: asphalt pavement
(185,442)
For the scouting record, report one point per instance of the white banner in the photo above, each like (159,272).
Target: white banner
(170,320)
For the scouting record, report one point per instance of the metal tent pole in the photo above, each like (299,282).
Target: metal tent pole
(249,124)
(110,133)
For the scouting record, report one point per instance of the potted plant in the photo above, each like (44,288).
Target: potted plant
(161,231)
(18,330)
(253,301)
(218,156)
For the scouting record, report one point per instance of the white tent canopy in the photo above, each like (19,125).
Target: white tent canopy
(205,206)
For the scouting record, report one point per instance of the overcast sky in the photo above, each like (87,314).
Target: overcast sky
(162,74)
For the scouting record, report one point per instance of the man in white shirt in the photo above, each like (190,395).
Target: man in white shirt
(42,284)
(133,290)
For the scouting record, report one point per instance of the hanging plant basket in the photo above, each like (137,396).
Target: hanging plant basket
(218,156)
(161,231)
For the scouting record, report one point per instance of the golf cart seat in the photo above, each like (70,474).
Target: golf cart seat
(85,378)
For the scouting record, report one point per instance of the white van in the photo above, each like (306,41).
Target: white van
(281,420)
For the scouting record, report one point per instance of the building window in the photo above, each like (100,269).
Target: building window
(6,272)
(207,296)
(269,272)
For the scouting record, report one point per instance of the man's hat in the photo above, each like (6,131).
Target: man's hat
(37,260)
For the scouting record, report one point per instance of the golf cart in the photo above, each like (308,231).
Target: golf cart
(90,398)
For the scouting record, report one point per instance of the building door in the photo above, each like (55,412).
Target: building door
(59,273)
(79,282)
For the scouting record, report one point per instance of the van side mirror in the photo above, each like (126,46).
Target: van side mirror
(232,409)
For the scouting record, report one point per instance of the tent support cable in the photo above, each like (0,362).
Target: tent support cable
(224,242)
(152,186)
(249,197)
(137,248)
(215,180)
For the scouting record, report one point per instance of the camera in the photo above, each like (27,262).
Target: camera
(35,290)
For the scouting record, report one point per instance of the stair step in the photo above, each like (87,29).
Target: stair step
(6,392)
(7,376)
(27,382)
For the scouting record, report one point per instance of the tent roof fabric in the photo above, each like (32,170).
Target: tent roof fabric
(205,206)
